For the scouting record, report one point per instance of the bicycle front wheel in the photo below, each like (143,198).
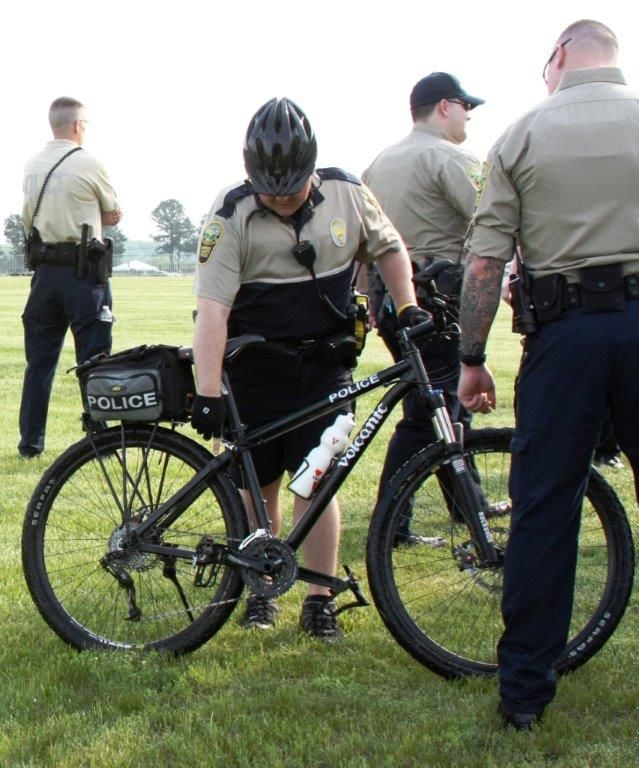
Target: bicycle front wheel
(437,600)
(83,508)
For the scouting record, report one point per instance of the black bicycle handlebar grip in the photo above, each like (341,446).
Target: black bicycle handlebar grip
(420,330)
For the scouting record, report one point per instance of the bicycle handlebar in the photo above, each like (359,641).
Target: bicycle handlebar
(416,331)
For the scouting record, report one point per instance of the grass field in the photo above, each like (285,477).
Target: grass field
(275,698)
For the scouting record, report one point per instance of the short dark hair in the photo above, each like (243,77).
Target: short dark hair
(63,111)
(423,112)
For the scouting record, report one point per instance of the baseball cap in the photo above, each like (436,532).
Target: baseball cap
(438,86)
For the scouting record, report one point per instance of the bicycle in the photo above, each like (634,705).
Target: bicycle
(137,537)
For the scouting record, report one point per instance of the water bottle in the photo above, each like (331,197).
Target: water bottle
(313,468)
(105,315)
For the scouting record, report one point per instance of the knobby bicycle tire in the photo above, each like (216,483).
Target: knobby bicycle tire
(446,611)
(78,513)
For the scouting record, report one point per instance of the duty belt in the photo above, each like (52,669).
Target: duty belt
(58,254)
(631,291)
(601,289)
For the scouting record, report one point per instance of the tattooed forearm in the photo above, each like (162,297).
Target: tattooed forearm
(479,302)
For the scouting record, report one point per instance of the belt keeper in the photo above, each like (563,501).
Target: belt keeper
(574,300)
(632,286)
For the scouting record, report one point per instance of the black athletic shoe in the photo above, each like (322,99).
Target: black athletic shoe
(260,613)
(318,618)
(29,452)
(520,721)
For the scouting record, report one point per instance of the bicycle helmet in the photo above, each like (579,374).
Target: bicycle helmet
(280,148)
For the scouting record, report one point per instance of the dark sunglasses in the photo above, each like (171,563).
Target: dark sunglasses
(544,74)
(464,104)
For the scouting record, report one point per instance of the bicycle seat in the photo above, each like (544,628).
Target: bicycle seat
(239,343)
(233,347)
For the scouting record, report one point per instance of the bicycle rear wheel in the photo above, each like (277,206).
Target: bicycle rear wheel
(437,600)
(81,510)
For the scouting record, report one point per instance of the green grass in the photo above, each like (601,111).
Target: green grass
(271,699)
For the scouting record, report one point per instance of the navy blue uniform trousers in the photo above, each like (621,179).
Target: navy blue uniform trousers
(572,370)
(58,300)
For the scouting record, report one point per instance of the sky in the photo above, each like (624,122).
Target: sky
(171,86)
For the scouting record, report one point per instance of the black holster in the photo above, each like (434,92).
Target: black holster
(100,259)
(34,249)
(448,282)
(524,318)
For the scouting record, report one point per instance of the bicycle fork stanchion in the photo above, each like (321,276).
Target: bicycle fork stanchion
(469,498)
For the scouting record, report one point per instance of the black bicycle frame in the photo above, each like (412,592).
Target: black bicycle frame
(411,375)
(245,440)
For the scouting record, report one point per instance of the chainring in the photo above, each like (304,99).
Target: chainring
(283,575)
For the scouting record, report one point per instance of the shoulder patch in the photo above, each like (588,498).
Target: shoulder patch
(231,198)
(372,200)
(327,174)
(210,237)
(477,175)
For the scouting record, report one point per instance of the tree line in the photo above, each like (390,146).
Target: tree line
(176,235)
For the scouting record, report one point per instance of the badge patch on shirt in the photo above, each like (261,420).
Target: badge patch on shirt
(338,232)
(210,238)
(477,174)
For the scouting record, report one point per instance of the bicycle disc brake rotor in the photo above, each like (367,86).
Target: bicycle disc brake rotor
(284,567)
(489,579)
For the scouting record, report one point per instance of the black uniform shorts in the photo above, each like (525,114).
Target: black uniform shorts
(265,395)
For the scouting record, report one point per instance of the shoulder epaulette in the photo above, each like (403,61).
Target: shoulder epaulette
(231,198)
(326,174)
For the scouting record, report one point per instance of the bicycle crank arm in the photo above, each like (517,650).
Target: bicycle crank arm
(255,564)
(337,586)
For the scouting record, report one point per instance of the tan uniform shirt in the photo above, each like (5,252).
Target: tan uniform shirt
(564,180)
(254,245)
(77,192)
(427,186)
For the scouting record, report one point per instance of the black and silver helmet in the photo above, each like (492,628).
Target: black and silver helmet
(280,148)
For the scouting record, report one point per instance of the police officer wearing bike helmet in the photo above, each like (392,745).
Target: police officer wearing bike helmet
(276,257)
(563,182)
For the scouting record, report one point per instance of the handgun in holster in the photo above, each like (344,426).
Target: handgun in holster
(524,317)
(100,255)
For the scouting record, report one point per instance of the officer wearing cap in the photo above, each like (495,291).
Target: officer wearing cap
(64,189)
(427,185)
(563,182)
(253,276)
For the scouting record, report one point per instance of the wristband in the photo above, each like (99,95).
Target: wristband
(473,361)
(399,310)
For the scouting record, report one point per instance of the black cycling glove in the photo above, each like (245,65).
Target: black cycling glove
(207,416)
(412,315)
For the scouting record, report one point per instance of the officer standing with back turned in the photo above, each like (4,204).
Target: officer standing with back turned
(563,182)
(67,200)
